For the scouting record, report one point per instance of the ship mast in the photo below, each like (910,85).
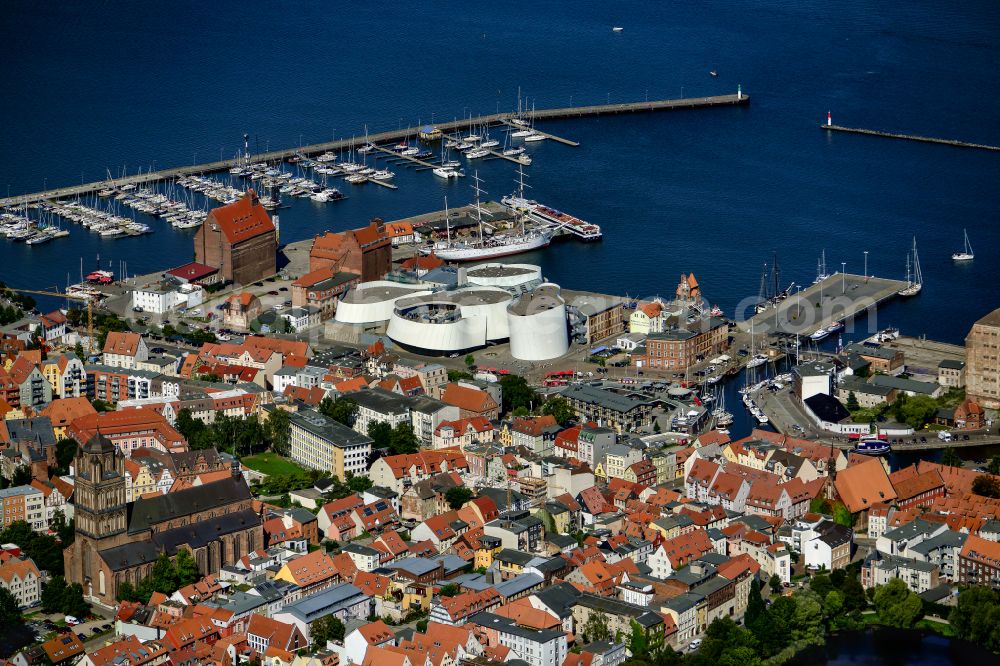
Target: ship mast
(447,220)
(478,206)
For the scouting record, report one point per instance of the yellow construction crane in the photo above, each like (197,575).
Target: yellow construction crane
(73,297)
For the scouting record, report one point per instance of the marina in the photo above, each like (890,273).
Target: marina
(381,138)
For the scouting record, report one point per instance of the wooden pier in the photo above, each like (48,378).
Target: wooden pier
(910,137)
(391,136)
(553,137)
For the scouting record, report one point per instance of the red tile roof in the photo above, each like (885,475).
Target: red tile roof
(243,219)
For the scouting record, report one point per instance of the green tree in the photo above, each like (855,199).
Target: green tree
(774,583)
(755,604)
(994,465)
(470,360)
(976,617)
(458,496)
(638,643)
(596,627)
(78,350)
(381,434)
(163,575)
(403,439)
(102,406)
(986,485)
(950,458)
(126,592)
(52,594)
(842,515)
(516,393)
(277,426)
(328,628)
(10,612)
(854,595)
(896,605)
(807,619)
(821,585)
(65,452)
(852,402)
(449,590)
(186,568)
(915,411)
(21,476)
(73,602)
(359,483)
(559,408)
(833,604)
(343,410)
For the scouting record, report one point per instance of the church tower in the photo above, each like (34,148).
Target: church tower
(99,494)
(101,516)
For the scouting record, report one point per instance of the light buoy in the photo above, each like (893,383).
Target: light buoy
(829,119)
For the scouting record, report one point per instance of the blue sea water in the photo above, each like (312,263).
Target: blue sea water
(97,87)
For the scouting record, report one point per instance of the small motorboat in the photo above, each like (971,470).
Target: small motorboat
(713,73)
(820,334)
(873,447)
(617,29)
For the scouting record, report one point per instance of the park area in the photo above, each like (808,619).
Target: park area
(271,463)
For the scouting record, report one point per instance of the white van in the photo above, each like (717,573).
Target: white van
(944,436)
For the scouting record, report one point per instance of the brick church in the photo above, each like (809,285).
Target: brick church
(118,541)
(240,240)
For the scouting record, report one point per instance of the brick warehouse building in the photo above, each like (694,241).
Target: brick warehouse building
(240,240)
(366,252)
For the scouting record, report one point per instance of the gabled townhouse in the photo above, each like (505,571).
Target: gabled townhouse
(264,632)
(458,609)
(66,374)
(535,433)
(21,578)
(123,349)
(311,572)
(399,471)
(462,433)
(677,552)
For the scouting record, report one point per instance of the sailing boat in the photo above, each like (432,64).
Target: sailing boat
(967,254)
(914,280)
(481,247)
(821,273)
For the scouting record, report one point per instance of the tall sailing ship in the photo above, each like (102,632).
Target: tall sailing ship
(914,278)
(482,247)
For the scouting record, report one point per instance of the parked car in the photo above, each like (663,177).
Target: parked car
(137,309)
(196,312)
(71,621)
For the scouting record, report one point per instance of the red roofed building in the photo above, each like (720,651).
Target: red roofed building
(129,429)
(470,401)
(241,309)
(366,252)
(240,240)
(195,273)
(421,264)
(321,289)
(915,488)
(979,562)
(462,433)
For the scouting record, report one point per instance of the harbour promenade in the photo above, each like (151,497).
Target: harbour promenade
(738,99)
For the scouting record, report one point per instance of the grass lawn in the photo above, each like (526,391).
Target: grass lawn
(271,463)
(937,627)
(924,623)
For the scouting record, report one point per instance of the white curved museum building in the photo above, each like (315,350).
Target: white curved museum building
(372,302)
(537,324)
(450,321)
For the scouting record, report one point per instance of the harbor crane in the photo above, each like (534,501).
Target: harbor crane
(74,297)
